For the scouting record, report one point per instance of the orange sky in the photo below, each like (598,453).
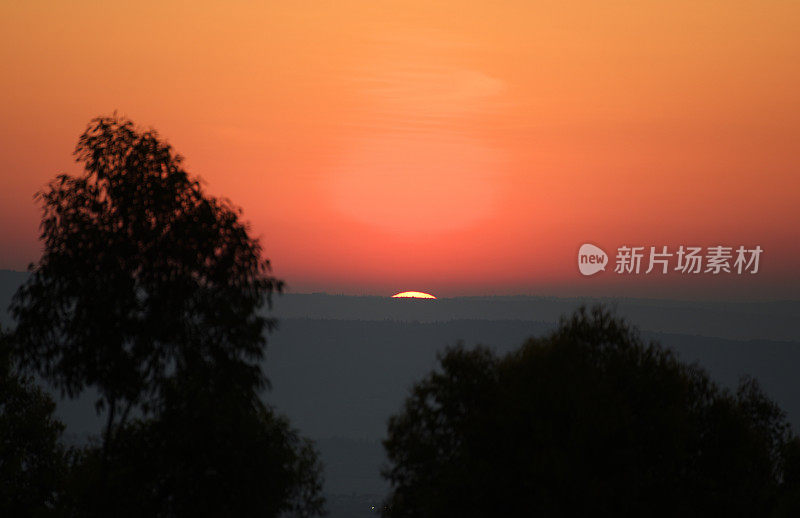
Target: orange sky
(456,148)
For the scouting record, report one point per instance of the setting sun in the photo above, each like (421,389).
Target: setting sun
(413,295)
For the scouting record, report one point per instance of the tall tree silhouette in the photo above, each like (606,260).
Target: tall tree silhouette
(590,420)
(150,291)
(143,277)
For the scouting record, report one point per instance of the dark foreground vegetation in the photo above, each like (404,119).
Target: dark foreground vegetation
(147,291)
(588,421)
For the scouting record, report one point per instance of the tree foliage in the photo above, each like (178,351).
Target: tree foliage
(33,463)
(590,420)
(143,276)
(207,451)
(201,463)
(151,291)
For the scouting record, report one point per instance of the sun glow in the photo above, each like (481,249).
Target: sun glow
(413,295)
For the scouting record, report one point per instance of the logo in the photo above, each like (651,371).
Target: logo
(591,259)
(685,260)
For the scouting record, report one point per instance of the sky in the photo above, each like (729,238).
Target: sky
(454,148)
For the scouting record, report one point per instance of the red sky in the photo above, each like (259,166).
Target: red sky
(456,148)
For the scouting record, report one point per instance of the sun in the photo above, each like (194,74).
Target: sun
(413,295)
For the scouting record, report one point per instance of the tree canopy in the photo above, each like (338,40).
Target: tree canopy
(589,420)
(203,457)
(143,276)
(33,463)
(152,292)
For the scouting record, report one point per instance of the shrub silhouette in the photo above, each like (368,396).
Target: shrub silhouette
(33,463)
(203,456)
(587,421)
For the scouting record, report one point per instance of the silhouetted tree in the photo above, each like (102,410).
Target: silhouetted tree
(204,457)
(143,276)
(587,421)
(789,498)
(147,286)
(33,463)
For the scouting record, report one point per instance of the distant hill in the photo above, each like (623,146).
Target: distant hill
(776,320)
(344,377)
(735,320)
(340,380)
(341,365)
